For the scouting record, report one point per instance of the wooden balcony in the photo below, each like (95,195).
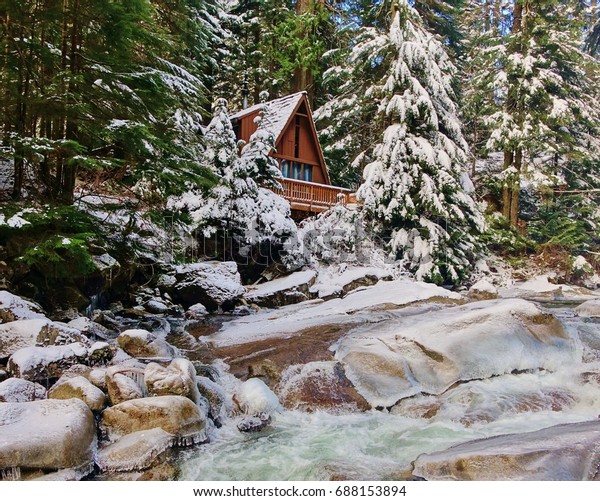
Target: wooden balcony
(313,197)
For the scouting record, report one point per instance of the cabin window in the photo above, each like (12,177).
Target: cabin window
(307,173)
(297,170)
(285,168)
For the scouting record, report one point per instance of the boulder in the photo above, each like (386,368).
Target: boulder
(176,415)
(215,284)
(196,312)
(563,452)
(156,306)
(21,390)
(100,353)
(252,424)
(482,291)
(42,363)
(78,387)
(214,395)
(319,385)
(38,331)
(178,378)
(255,397)
(397,359)
(46,435)
(292,289)
(589,309)
(137,451)
(142,344)
(15,308)
(334,283)
(98,378)
(123,384)
(92,329)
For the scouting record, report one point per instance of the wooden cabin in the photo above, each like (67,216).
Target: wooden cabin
(306,183)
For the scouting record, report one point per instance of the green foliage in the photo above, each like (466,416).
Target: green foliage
(503,239)
(60,258)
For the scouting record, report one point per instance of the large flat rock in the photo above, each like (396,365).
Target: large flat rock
(429,353)
(563,452)
(46,434)
(283,291)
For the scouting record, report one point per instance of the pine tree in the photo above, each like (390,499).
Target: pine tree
(416,159)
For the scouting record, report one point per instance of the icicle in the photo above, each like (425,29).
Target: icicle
(13,473)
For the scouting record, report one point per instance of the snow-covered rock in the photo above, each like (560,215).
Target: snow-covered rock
(16,308)
(214,284)
(482,290)
(330,284)
(100,353)
(196,311)
(42,363)
(291,289)
(589,309)
(21,390)
(253,424)
(142,344)
(214,394)
(91,329)
(178,378)
(123,384)
(39,331)
(78,387)
(47,435)
(137,451)
(107,265)
(393,360)
(563,452)
(98,378)
(255,397)
(176,415)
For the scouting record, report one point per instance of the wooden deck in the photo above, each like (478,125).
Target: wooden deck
(313,197)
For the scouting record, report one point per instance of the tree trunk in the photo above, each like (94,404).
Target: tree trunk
(303,77)
(508,187)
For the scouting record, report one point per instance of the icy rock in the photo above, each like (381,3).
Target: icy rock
(214,284)
(69,475)
(482,290)
(178,378)
(121,385)
(100,353)
(255,397)
(41,331)
(330,284)
(92,329)
(589,309)
(78,387)
(563,452)
(142,344)
(15,308)
(98,378)
(41,363)
(292,289)
(398,359)
(196,311)
(214,394)
(137,451)
(21,390)
(176,415)
(47,435)
(252,424)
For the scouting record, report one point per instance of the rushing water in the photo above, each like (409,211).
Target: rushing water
(380,445)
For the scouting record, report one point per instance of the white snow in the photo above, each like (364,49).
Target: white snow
(28,359)
(19,308)
(21,390)
(255,397)
(282,284)
(330,283)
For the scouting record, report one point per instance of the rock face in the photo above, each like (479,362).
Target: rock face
(292,289)
(214,284)
(398,359)
(20,390)
(15,308)
(46,434)
(41,331)
(142,344)
(79,387)
(121,387)
(42,363)
(564,452)
(136,451)
(589,309)
(176,415)
(255,397)
(178,378)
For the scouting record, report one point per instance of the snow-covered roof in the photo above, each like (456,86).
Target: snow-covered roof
(277,112)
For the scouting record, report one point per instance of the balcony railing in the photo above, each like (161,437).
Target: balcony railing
(313,197)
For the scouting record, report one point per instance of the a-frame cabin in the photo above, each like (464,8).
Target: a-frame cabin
(306,183)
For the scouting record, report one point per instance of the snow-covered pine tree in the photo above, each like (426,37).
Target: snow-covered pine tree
(542,104)
(242,203)
(413,180)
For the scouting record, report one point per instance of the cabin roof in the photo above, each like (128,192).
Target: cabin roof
(277,112)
